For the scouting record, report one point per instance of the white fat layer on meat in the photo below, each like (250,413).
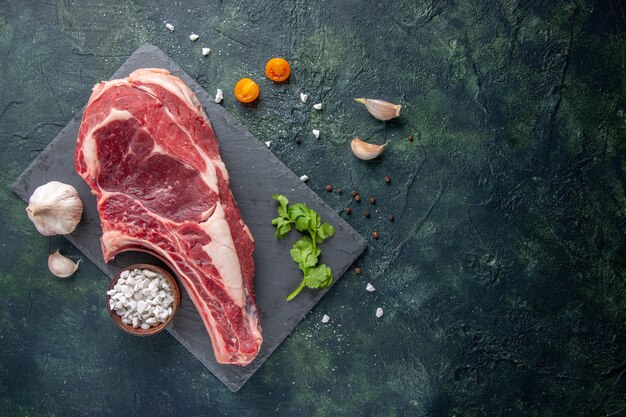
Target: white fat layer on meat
(245,227)
(224,255)
(172,84)
(100,88)
(90,152)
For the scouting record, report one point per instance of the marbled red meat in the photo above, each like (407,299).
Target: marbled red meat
(147,150)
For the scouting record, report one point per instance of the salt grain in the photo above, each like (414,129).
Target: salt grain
(219,95)
(379,312)
(193,37)
(143,298)
(206,51)
(304,178)
(325,319)
(316,133)
(170,27)
(370,287)
(317,106)
(304,97)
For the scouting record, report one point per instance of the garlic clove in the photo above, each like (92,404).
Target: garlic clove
(61,266)
(55,208)
(366,151)
(380,109)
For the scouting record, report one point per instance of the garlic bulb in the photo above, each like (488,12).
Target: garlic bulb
(366,151)
(380,109)
(55,208)
(61,266)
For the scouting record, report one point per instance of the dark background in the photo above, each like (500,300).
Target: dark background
(502,278)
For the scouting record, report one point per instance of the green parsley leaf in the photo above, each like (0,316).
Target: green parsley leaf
(281,199)
(282,209)
(299,213)
(325,231)
(304,251)
(283,226)
(319,277)
(314,220)
(303,254)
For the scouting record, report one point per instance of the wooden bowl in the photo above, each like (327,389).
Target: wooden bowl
(117,319)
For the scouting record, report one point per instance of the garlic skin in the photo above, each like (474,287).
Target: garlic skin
(60,266)
(380,109)
(55,208)
(366,151)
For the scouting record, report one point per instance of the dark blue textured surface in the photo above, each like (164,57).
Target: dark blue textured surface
(502,276)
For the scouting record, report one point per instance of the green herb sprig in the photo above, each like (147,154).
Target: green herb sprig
(305,251)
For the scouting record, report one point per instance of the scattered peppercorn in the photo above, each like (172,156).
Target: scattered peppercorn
(353,193)
(375,234)
(387,179)
(410,138)
(366,214)
(357,270)
(298,141)
(338,190)
(357,198)
(392,217)
(372,200)
(348,210)
(329,188)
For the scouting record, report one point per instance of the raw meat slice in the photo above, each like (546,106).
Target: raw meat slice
(147,150)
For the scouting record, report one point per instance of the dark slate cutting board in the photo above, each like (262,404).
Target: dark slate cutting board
(255,174)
